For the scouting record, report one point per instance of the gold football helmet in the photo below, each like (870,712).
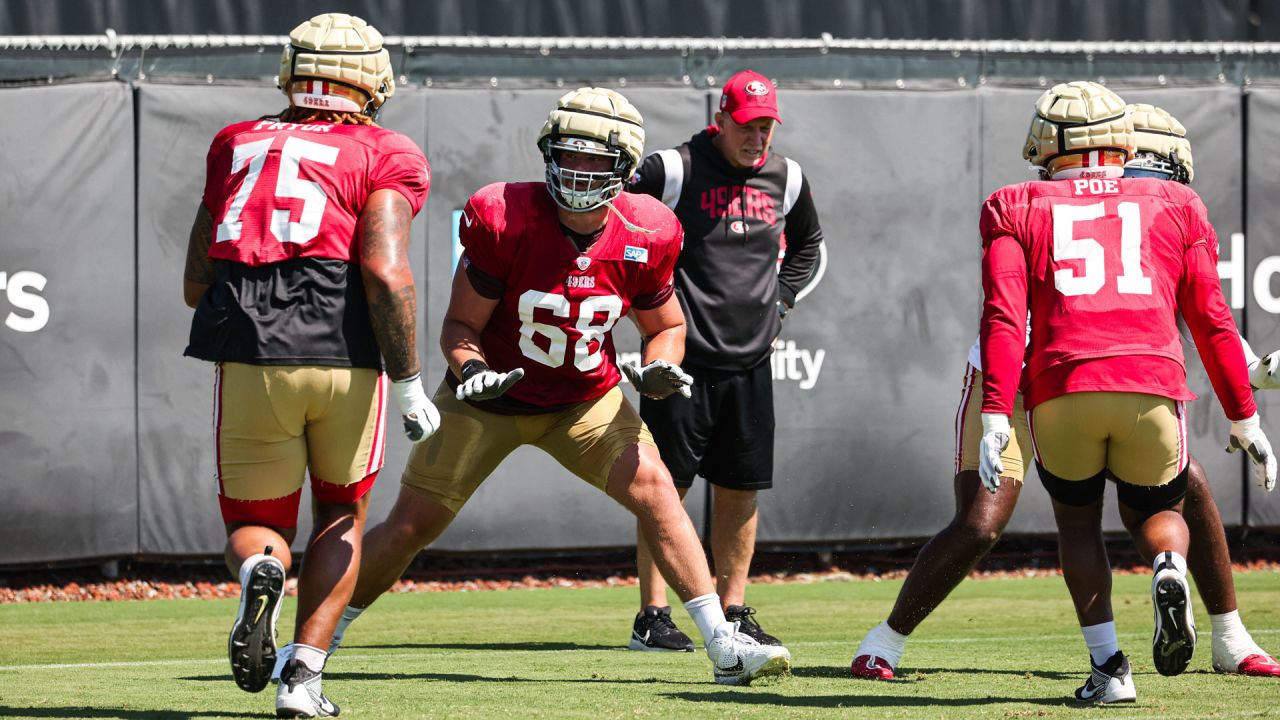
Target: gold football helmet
(1078,129)
(1163,148)
(336,62)
(591,121)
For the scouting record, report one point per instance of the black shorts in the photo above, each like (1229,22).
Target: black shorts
(723,433)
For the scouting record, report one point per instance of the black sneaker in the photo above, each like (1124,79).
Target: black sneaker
(251,646)
(656,631)
(747,625)
(1111,682)
(1175,638)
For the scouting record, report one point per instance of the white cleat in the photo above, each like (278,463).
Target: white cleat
(1110,683)
(739,659)
(299,695)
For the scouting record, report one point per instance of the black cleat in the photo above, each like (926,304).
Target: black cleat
(743,614)
(654,630)
(1175,638)
(252,644)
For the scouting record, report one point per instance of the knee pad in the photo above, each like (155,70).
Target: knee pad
(1076,493)
(1153,499)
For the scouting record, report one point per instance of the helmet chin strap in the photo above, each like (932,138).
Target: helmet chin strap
(625,222)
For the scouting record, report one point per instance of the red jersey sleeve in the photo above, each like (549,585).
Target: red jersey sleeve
(1202,304)
(401,166)
(481,229)
(658,285)
(1199,228)
(1004,308)
(213,180)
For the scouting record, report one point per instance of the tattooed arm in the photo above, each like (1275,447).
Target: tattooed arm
(388,280)
(199,273)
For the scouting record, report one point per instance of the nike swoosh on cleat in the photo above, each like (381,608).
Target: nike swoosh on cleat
(1172,648)
(262,606)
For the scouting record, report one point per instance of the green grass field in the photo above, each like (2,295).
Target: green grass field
(1006,648)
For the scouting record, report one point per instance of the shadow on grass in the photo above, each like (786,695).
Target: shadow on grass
(9,711)
(857,701)
(465,678)
(495,646)
(911,675)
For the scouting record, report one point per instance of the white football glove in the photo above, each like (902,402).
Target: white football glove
(420,416)
(658,379)
(1264,373)
(1247,435)
(995,438)
(486,384)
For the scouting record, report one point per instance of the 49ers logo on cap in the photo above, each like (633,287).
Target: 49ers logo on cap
(755,87)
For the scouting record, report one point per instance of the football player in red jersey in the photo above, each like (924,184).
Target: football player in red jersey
(298,269)
(548,269)
(1103,265)
(1163,153)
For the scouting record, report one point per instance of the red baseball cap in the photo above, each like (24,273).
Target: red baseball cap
(749,95)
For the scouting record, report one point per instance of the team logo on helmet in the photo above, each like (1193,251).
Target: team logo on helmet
(738,226)
(755,87)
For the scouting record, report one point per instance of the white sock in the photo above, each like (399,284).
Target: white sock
(312,657)
(1228,625)
(1179,562)
(707,615)
(883,642)
(283,655)
(1231,641)
(348,616)
(1101,639)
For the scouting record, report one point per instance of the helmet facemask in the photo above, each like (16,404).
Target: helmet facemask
(583,190)
(596,123)
(1149,164)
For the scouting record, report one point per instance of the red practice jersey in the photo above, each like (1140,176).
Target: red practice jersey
(557,310)
(1105,266)
(280,190)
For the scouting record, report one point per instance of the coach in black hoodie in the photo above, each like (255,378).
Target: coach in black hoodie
(742,208)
